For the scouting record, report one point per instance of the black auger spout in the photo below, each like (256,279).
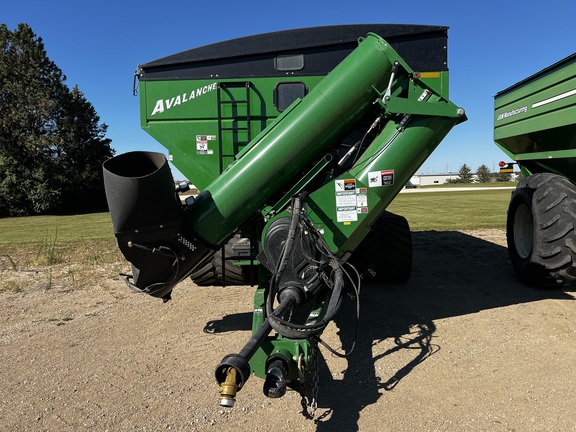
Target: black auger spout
(148,220)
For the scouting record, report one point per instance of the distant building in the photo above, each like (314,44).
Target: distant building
(433,179)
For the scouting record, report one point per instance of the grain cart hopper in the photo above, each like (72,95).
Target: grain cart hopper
(299,140)
(535,125)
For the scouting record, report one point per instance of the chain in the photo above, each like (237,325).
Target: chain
(302,386)
(315,380)
(313,405)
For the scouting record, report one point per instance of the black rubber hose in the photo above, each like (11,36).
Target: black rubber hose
(284,256)
(258,337)
(304,331)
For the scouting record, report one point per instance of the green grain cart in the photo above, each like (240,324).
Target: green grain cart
(298,141)
(535,125)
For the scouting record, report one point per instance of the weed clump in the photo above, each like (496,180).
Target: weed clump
(48,253)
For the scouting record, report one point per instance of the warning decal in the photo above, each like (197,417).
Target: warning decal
(350,201)
(362,200)
(381,178)
(346,200)
(202,144)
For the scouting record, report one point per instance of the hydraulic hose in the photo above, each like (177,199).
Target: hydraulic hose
(304,331)
(258,337)
(285,255)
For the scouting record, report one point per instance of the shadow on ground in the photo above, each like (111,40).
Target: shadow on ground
(454,274)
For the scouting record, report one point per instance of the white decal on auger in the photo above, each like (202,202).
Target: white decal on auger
(165,104)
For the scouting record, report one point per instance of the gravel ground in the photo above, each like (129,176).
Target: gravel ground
(461,347)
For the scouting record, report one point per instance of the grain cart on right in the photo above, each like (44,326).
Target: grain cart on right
(535,125)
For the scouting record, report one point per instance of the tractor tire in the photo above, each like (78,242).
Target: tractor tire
(218,271)
(540,231)
(385,255)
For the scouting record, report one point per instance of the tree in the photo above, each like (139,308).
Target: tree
(484,174)
(52,144)
(465,174)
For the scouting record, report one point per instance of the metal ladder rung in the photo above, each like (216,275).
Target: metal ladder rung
(235,84)
(233,128)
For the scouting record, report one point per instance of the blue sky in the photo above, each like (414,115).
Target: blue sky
(491,45)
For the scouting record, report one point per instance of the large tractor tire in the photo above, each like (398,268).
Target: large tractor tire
(540,231)
(219,271)
(385,255)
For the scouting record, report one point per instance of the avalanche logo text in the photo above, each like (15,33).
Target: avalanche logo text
(165,104)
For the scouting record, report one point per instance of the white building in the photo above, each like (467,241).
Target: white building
(433,179)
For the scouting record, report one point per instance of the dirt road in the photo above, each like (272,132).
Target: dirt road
(461,347)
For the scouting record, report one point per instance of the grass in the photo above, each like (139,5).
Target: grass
(440,211)
(449,211)
(39,229)
(471,185)
(48,251)
(89,239)
(430,210)
(10,286)
(71,252)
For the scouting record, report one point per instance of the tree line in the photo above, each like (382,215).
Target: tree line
(52,143)
(483,175)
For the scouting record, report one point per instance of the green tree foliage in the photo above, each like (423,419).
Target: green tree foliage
(51,142)
(484,174)
(503,177)
(464,175)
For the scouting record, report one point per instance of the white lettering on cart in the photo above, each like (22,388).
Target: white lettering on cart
(162,105)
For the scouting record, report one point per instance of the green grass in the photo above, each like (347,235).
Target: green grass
(68,251)
(440,211)
(449,211)
(471,185)
(48,230)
